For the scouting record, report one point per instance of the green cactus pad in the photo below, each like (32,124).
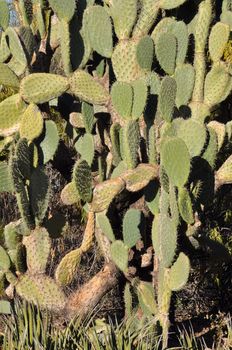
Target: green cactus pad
(26,10)
(39,192)
(145,52)
(216,82)
(175,158)
(31,125)
(152,197)
(218,39)
(193,134)
(124,15)
(164,239)
(147,16)
(171,4)
(42,87)
(83,180)
(4,260)
(38,246)
(85,146)
(167,98)
(127,298)
(104,224)
(7,77)
(131,231)
(16,47)
(68,266)
(23,160)
(202,25)
(4,14)
(69,194)
(152,151)
(11,110)
(130,143)
(185,79)
(85,87)
(4,49)
(122,99)
(166,52)
(99,29)
(6,184)
(139,177)
(114,136)
(179,273)
(147,294)
(119,254)
(153,81)
(185,205)
(124,61)
(140,93)
(105,192)
(180,30)
(211,151)
(87,111)
(120,169)
(11,235)
(41,290)
(65,45)
(163,26)
(64,10)
(50,141)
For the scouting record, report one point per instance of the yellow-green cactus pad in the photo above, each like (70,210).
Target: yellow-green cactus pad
(105,192)
(38,246)
(85,87)
(68,266)
(31,125)
(42,87)
(41,290)
(11,111)
(7,77)
(138,178)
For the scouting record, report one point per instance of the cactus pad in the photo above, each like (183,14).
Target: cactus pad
(139,177)
(122,99)
(218,39)
(42,87)
(83,180)
(41,290)
(7,77)
(166,51)
(11,110)
(119,254)
(179,273)
(176,160)
(38,246)
(104,224)
(131,231)
(185,206)
(64,10)
(83,86)
(105,192)
(31,125)
(69,194)
(4,260)
(99,29)
(68,266)
(167,98)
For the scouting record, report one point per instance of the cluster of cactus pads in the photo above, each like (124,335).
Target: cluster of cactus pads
(144,89)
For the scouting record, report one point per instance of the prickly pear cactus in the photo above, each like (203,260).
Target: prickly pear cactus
(121,88)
